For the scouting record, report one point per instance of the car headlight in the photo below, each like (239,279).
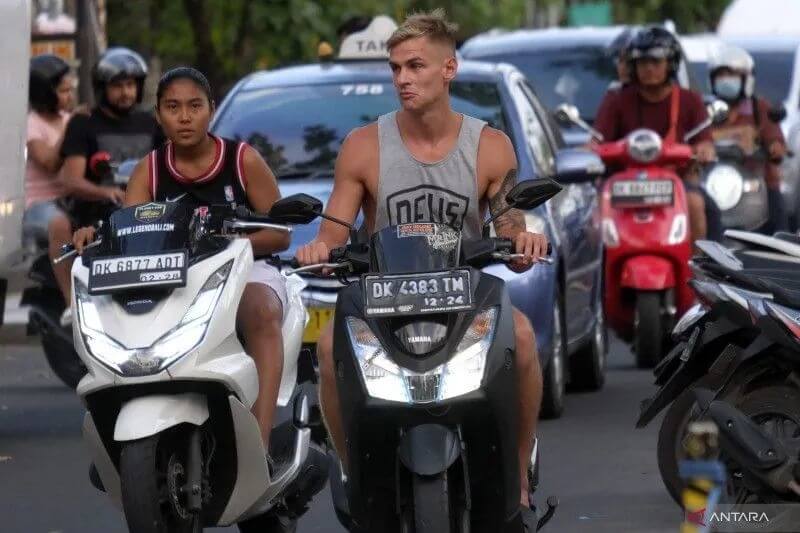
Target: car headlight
(724,185)
(644,145)
(462,374)
(176,343)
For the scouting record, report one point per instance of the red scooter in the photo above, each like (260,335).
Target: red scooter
(645,227)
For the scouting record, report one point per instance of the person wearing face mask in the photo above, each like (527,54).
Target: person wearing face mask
(748,123)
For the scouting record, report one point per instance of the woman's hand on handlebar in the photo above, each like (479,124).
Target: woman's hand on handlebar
(82,237)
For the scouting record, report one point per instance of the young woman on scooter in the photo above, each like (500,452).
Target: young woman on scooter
(196,166)
(654,100)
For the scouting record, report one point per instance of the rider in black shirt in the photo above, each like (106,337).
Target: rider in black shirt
(115,131)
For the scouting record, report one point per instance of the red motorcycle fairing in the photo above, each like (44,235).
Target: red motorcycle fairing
(648,273)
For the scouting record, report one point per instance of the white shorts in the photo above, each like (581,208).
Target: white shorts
(268,275)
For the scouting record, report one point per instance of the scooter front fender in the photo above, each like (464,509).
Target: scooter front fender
(148,415)
(648,273)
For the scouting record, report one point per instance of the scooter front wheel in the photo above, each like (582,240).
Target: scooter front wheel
(648,324)
(153,473)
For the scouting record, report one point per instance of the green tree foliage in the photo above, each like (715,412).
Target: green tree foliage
(227,39)
(230,38)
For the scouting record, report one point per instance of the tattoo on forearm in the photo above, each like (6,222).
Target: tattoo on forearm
(513,221)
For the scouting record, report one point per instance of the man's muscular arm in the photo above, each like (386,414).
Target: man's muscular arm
(497,161)
(512,222)
(346,197)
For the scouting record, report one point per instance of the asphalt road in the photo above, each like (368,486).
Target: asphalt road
(602,469)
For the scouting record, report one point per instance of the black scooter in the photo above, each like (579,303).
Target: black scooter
(424,357)
(727,344)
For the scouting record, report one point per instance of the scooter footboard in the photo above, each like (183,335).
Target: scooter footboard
(148,415)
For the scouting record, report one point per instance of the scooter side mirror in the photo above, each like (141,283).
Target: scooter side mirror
(526,195)
(529,194)
(718,111)
(296,209)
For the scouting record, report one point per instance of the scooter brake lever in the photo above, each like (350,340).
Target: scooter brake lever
(552,505)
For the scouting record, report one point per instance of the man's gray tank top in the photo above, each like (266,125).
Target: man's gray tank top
(444,192)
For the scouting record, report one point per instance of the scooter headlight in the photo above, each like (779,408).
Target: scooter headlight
(644,145)
(462,374)
(182,339)
(724,185)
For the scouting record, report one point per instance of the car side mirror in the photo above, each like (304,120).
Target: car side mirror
(578,165)
(296,209)
(777,114)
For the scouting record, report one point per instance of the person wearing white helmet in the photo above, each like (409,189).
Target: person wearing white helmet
(732,78)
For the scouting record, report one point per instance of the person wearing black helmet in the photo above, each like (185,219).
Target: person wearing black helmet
(115,130)
(655,101)
(49,97)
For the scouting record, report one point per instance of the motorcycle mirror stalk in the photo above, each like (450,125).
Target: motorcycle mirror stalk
(302,208)
(525,195)
(566,114)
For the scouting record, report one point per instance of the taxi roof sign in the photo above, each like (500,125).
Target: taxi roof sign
(370,43)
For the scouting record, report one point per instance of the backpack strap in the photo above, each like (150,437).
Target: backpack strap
(674,113)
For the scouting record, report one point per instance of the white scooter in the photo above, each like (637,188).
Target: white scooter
(169,387)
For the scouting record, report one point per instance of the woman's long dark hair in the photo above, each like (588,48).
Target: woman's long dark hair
(46,73)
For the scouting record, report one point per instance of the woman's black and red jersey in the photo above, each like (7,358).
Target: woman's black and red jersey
(223,183)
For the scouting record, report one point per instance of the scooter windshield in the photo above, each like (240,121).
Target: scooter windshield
(416,247)
(149,228)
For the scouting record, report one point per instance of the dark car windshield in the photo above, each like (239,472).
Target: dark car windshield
(773,74)
(578,76)
(299,130)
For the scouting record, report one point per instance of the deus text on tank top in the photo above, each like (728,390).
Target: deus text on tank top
(443,192)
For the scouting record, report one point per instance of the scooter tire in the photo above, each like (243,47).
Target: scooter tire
(63,361)
(144,483)
(670,435)
(648,344)
(554,374)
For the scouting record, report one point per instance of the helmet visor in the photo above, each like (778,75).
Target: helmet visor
(656,52)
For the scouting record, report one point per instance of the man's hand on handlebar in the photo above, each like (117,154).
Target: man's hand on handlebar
(777,150)
(313,253)
(705,152)
(82,237)
(533,246)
